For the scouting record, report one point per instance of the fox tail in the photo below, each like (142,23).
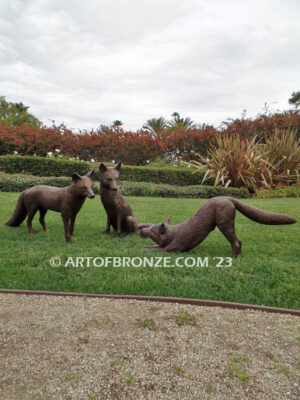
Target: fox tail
(262,217)
(19,213)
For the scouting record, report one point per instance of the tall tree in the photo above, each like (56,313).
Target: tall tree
(117,122)
(179,122)
(295,99)
(103,129)
(156,125)
(16,114)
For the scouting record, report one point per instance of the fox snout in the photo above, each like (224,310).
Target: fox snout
(147,233)
(114,185)
(91,194)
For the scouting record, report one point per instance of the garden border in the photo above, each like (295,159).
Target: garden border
(179,300)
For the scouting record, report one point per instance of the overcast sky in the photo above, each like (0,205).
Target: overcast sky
(87,63)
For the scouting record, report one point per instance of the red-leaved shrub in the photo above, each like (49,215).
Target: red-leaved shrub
(137,148)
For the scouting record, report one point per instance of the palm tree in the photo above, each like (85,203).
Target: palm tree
(202,126)
(178,121)
(117,122)
(156,125)
(295,99)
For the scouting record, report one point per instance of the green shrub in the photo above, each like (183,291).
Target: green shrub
(42,166)
(280,192)
(46,166)
(19,182)
(162,190)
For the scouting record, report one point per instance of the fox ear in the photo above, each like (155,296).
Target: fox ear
(90,173)
(118,166)
(75,177)
(102,167)
(167,221)
(162,228)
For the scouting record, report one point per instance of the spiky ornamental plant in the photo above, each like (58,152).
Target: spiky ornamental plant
(283,149)
(235,161)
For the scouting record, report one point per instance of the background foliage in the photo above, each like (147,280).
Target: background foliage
(137,148)
(55,166)
(20,182)
(16,114)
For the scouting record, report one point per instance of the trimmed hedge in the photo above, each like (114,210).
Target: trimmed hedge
(46,166)
(193,191)
(19,182)
(279,192)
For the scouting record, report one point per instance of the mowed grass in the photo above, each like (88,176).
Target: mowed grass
(266,273)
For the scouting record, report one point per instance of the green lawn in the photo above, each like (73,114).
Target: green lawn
(266,273)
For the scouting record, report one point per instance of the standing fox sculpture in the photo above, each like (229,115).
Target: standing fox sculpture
(218,211)
(68,201)
(118,211)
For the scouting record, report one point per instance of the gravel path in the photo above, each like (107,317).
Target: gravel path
(79,348)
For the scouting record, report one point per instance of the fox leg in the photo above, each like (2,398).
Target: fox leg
(43,212)
(72,223)
(108,223)
(131,224)
(145,225)
(66,219)
(229,232)
(31,213)
(119,224)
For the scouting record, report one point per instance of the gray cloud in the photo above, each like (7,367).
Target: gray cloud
(90,63)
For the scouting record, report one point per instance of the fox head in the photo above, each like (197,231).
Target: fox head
(162,233)
(83,184)
(109,176)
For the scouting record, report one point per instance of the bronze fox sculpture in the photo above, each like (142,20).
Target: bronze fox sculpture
(68,201)
(218,211)
(118,211)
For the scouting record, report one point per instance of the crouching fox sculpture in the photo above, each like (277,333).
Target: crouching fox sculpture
(68,201)
(218,211)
